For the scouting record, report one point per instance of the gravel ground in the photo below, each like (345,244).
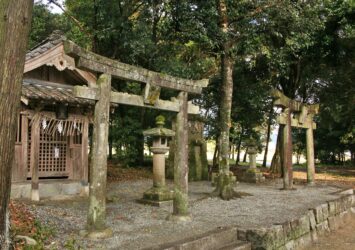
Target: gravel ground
(137,226)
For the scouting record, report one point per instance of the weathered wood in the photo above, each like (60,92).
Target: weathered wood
(34,162)
(84,149)
(93,62)
(134,100)
(96,220)
(24,140)
(181,160)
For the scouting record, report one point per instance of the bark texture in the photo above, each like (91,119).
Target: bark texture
(14,28)
(277,159)
(224,186)
(96,220)
(268,135)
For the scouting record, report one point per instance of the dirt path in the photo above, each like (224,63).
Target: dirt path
(341,239)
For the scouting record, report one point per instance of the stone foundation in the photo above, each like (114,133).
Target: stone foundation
(252,176)
(301,232)
(50,189)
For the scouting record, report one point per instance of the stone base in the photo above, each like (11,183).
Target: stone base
(165,204)
(106,233)
(158,194)
(252,176)
(50,189)
(179,218)
(214,179)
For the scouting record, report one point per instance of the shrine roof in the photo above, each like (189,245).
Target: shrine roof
(53,40)
(51,92)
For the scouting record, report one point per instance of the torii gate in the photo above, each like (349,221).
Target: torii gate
(107,68)
(303,118)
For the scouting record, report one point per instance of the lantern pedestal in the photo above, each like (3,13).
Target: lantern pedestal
(252,174)
(159,194)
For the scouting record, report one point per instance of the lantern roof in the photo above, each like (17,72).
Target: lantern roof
(159,131)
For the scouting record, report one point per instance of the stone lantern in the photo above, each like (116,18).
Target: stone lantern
(252,174)
(160,135)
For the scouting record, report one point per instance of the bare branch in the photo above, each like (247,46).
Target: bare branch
(76,21)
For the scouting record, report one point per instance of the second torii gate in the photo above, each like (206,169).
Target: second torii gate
(107,68)
(303,118)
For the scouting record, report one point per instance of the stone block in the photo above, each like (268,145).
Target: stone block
(353,200)
(348,199)
(333,222)
(325,211)
(314,235)
(290,245)
(312,219)
(158,194)
(242,234)
(252,176)
(318,213)
(49,190)
(331,208)
(347,191)
(300,226)
(345,216)
(287,230)
(303,241)
(271,238)
(322,228)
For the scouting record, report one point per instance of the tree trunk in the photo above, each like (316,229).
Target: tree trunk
(268,134)
(224,187)
(245,155)
(215,156)
(14,29)
(276,162)
(239,146)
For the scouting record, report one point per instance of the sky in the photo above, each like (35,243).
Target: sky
(53,8)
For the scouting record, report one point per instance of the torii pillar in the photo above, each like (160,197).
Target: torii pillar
(303,119)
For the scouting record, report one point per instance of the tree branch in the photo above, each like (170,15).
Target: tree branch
(76,21)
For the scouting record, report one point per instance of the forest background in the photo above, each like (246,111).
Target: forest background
(303,48)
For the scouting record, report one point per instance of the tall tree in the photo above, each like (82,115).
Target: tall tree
(224,184)
(14,29)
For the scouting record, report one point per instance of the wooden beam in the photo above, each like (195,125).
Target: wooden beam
(93,62)
(134,100)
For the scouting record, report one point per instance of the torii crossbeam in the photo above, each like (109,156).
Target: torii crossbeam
(303,118)
(107,68)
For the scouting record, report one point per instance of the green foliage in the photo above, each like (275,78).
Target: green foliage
(304,48)
(43,24)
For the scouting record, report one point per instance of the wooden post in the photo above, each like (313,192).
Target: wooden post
(180,203)
(35,131)
(310,156)
(96,220)
(287,152)
(84,152)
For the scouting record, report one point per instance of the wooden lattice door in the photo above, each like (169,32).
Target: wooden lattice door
(53,160)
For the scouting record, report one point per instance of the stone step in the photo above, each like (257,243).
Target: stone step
(208,241)
(237,245)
